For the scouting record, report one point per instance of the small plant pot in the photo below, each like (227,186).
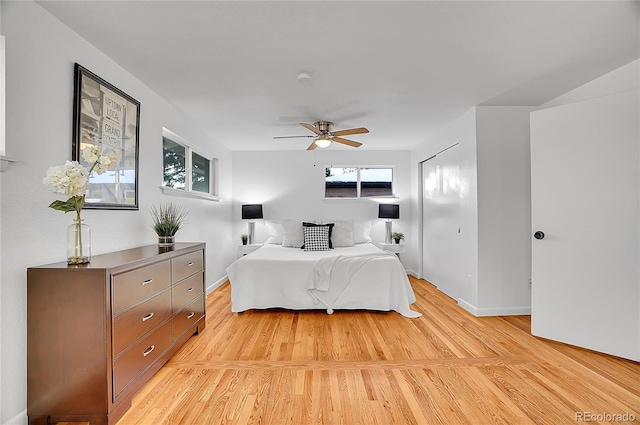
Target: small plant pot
(166,241)
(397,241)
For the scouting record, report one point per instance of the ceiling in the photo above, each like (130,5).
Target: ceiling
(401,69)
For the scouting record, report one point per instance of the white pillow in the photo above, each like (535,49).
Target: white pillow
(293,235)
(361,232)
(342,234)
(275,233)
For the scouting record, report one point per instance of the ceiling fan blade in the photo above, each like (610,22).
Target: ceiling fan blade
(289,137)
(359,130)
(312,146)
(346,142)
(310,127)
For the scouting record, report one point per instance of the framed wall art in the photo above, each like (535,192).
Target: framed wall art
(106,117)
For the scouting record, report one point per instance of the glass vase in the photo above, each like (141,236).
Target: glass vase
(78,243)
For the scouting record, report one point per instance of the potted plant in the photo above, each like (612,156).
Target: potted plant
(397,236)
(244,238)
(167,220)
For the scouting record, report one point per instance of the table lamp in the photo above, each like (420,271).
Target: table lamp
(251,212)
(388,211)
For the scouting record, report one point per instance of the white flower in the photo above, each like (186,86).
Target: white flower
(71,179)
(108,161)
(91,153)
(101,159)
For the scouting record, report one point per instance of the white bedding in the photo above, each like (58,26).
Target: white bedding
(359,277)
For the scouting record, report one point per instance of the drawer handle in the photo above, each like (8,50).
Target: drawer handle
(190,315)
(190,264)
(146,282)
(147,317)
(190,290)
(148,350)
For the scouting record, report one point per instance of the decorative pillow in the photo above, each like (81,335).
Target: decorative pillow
(276,232)
(361,232)
(342,233)
(329,225)
(316,237)
(292,235)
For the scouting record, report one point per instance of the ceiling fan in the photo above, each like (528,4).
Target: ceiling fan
(324,136)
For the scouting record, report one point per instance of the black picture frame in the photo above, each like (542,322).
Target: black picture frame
(106,116)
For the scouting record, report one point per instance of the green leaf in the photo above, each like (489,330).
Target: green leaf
(79,202)
(65,206)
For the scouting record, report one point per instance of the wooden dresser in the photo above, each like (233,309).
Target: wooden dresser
(97,332)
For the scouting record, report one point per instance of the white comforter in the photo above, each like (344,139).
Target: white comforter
(359,277)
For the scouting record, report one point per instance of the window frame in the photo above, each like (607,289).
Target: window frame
(188,191)
(359,196)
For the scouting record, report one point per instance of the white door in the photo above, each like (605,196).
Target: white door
(440,221)
(585,192)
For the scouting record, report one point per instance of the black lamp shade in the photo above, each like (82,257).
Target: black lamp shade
(251,211)
(388,211)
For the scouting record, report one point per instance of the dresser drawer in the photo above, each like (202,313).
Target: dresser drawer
(186,265)
(184,292)
(139,357)
(188,316)
(132,287)
(132,324)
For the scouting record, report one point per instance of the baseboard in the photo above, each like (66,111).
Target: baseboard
(19,419)
(494,311)
(414,274)
(217,283)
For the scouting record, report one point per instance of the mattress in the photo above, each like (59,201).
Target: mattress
(352,278)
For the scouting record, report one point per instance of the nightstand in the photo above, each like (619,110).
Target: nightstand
(247,249)
(393,247)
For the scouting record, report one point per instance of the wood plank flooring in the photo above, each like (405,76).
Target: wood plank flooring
(282,367)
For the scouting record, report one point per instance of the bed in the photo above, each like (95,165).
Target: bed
(351,278)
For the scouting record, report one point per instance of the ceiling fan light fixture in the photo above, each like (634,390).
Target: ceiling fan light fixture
(324,137)
(323,141)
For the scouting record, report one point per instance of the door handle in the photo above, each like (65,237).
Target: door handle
(538,235)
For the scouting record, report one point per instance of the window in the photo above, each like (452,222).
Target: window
(175,163)
(179,161)
(358,182)
(200,172)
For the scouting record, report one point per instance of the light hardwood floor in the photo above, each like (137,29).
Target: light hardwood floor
(282,367)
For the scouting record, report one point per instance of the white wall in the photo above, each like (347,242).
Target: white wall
(290,184)
(620,80)
(40,55)
(495,216)
(504,210)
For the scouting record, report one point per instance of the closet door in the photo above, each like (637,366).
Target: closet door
(441,221)
(585,204)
